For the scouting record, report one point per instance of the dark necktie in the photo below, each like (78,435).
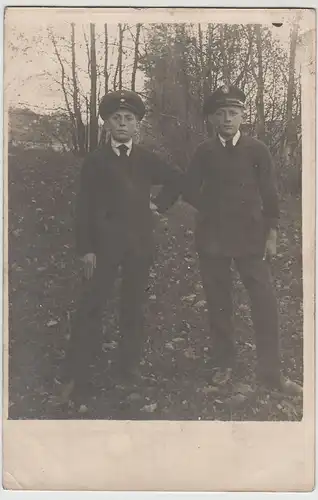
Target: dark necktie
(229,144)
(123,150)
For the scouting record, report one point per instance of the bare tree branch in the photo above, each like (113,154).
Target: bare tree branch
(106,74)
(62,83)
(136,53)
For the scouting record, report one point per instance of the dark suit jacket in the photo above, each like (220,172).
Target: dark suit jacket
(235,194)
(113,212)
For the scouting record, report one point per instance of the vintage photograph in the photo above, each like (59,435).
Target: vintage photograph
(154,220)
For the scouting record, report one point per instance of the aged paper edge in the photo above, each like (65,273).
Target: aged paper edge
(175,456)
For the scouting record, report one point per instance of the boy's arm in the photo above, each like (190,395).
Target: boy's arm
(193,181)
(170,178)
(268,188)
(84,211)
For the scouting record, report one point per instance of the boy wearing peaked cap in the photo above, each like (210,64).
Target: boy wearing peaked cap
(231,183)
(114,226)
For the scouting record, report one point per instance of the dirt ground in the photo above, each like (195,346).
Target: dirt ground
(44,276)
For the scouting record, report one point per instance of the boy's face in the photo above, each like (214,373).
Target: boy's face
(227,120)
(122,125)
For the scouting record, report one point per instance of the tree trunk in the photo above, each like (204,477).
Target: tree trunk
(102,138)
(106,75)
(208,81)
(120,57)
(93,124)
(226,69)
(260,85)
(201,59)
(119,67)
(65,94)
(291,131)
(80,128)
(136,57)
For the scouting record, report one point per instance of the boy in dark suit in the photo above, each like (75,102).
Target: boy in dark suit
(114,226)
(231,183)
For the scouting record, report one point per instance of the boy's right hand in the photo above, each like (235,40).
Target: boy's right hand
(89,264)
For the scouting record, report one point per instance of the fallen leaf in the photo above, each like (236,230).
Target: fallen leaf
(109,345)
(222,377)
(186,326)
(201,303)
(189,298)
(289,408)
(52,322)
(83,409)
(210,388)
(178,339)
(149,408)
(189,260)
(243,388)
(17,232)
(252,346)
(243,307)
(236,400)
(169,346)
(190,353)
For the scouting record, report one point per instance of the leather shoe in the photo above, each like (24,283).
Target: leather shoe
(286,386)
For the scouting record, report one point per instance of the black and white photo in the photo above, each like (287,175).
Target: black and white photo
(155,256)
(80,211)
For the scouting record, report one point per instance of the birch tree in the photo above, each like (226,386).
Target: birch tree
(93,125)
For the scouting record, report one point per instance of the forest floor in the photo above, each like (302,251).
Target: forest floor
(44,276)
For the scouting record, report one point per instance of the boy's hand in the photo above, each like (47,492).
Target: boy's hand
(89,264)
(271,244)
(154,208)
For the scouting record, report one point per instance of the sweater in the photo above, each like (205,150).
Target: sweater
(234,191)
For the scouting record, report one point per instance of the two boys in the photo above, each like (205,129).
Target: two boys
(231,184)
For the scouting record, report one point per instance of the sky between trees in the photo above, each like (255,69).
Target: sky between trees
(30,62)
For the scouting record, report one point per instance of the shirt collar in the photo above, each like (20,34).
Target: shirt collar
(234,139)
(115,144)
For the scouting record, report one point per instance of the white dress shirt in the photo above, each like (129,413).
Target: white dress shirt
(235,138)
(115,144)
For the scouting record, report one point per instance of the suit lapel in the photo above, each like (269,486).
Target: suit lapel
(135,157)
(108,151)
(123,171)
(136,162)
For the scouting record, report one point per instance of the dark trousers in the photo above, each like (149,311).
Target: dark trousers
(255,275)
(85,342)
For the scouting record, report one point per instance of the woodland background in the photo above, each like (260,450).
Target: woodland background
(173,67)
